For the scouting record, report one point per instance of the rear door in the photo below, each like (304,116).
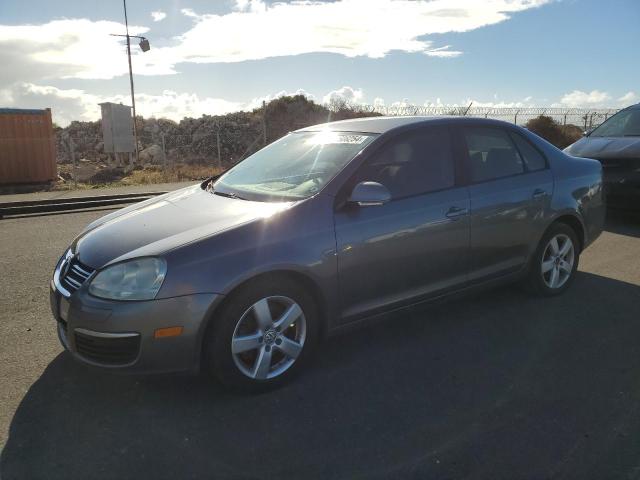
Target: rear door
(510,189)
(417,244)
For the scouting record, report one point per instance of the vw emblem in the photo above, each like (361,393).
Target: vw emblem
(270,337)
(66,264)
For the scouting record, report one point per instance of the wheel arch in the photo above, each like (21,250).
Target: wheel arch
(297,276)
(576,225)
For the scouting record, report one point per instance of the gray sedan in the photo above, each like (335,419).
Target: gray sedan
(329,226)
(616,144)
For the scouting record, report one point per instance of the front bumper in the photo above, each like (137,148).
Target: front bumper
(120,335)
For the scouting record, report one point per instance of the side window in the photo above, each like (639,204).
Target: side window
(491,154)
(532,157)
(414,163)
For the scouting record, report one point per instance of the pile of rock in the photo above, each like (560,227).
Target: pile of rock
(212,140)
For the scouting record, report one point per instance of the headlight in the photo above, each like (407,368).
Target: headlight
(131,280)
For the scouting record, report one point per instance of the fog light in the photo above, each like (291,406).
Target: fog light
(168,332)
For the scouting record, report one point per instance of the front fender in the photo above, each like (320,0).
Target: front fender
(300,240)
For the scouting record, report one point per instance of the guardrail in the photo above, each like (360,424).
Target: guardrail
(71,203)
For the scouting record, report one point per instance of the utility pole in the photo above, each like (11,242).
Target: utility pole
(264,123)
(164,151)
(144,46)
(218,142)
(133,97)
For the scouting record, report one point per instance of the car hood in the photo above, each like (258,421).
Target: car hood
(605,147)
(164,223)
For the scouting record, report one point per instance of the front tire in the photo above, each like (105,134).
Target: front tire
(263,335)
(555,261)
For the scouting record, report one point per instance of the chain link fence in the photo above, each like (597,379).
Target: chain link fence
(581,117)
(218,144)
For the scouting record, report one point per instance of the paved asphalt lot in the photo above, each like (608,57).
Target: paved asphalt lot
(495,386)
(58,194)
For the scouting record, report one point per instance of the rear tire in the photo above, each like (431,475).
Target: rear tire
(263,335)
(554,264)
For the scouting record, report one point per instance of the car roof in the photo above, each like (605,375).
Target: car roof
(385,124)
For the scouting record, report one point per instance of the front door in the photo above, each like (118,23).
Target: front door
(417,244)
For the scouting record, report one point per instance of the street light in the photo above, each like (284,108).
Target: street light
(145,47)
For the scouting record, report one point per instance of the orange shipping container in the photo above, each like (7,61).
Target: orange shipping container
(27,147)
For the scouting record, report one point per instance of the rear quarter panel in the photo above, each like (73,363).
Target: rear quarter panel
(577,189)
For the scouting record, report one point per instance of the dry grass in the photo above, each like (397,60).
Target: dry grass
(70,185)
(179,173)
(146,176)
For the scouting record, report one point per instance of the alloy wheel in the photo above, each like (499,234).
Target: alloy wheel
(557,261)
(269,337)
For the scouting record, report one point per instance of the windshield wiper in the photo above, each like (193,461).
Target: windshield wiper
(228,195)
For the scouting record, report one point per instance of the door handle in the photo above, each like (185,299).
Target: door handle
(539,192)
(455,212)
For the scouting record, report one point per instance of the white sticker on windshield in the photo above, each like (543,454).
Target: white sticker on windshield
(328,138)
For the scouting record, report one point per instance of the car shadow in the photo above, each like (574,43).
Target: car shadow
(623,222)
(498,385)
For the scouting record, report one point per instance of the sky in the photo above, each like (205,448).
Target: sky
(217,56)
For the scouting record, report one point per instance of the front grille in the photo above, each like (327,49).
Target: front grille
(114,350)
(76,275)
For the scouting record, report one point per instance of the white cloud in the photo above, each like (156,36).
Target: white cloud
(437,103)
(352,28)
(524,103)
(253,30)
(176,105)
(75,104)
(158,15)
(578,98)
(257,102)
(442,52)
(378,102)
(67,105)
(188,12)
(250,5)
(345,94)
(69,48)
(629,98)
(402,103)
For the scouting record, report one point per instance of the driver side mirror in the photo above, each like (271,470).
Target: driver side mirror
(367,194)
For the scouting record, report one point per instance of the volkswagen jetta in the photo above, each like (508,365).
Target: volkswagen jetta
(328,226)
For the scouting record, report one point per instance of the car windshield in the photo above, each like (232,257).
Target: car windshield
(292,168)
(623,124)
